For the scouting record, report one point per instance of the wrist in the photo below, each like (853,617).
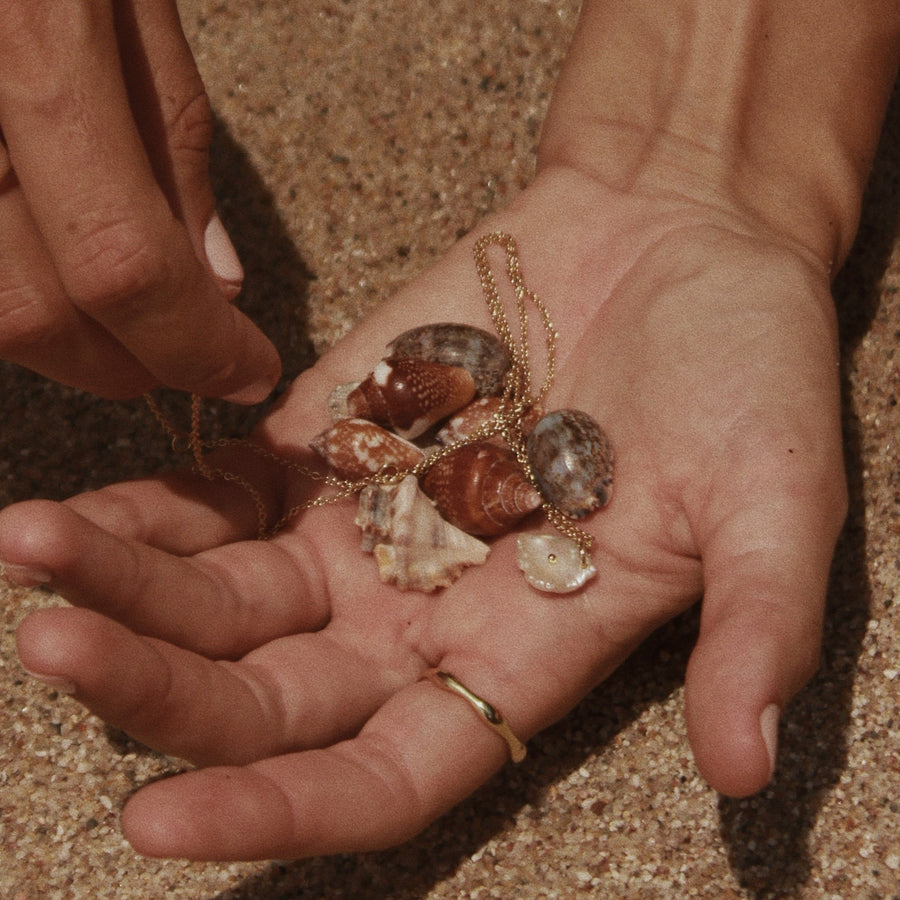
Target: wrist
(768,109)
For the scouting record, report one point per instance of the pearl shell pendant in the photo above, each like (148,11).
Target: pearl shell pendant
(552,563)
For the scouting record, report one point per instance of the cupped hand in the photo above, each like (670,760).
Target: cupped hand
(115,273)
(292,676)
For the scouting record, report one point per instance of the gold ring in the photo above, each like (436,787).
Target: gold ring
(490,715)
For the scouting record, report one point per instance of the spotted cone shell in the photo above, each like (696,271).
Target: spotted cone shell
(480,489)
(478,413)
(572,460)
(410,395)
(357,448)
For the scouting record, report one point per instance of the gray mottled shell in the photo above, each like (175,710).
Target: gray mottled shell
(572,460)
(552,563)
(453,344)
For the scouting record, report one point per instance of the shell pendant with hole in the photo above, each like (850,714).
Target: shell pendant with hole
(553,563)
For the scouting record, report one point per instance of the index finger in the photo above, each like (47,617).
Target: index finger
(122,254)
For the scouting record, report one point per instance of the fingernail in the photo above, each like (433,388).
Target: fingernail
(768,723)
(57,682)
(23,576)
(221,253)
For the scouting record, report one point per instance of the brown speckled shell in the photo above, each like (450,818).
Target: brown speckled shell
(468,420)
(453,344)
(479,412)
(572,460)
(410,395)
(480,489)
(357,448)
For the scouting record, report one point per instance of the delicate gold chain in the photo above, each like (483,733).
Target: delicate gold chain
(518,397)
(517,400)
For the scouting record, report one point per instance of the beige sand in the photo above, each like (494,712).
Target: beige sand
(356,141)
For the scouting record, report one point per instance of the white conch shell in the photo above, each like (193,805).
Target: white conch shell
(415,548)
(552,563)
(337,400)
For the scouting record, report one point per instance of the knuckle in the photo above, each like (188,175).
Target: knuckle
(26,320)
(189,121)
(32,34)
(114,262)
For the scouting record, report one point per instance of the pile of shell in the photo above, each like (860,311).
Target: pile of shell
(436,387)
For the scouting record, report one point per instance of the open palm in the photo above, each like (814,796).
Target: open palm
(292,675)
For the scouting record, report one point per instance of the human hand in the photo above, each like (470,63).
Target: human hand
(115,273)
(288,672)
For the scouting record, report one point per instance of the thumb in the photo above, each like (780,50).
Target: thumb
(766,570)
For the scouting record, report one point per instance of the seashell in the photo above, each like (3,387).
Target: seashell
(468,420)
(453,344)
(552,563)
(410,395)
(373,514)
(572,461)
(357,448)
(414,548)
(478,413)
(480,488)
(337,400)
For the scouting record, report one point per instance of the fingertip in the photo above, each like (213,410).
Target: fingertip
(255,392)
(33,538)
(50,647)
(252,363)
(736,755)
(251,367)
(151,824)
(220,813)
(733,701)
(37,644)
